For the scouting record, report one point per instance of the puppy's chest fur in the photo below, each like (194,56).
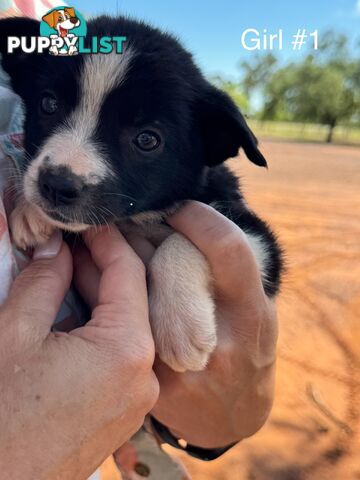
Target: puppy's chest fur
(150,226)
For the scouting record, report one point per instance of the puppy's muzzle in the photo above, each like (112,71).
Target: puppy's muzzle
(59,190)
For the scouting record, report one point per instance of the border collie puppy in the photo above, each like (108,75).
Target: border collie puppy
(127,138)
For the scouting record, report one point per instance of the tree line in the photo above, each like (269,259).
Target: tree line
(322,87)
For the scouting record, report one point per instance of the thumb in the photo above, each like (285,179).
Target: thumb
(37,293)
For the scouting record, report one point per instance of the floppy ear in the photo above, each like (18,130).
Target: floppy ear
(71,11)
(19,65)
(224,129)
(49,18)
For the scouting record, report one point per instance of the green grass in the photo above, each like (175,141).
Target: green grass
(305,132)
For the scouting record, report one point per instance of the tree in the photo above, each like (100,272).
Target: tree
(257,72)
(314,92)
(233,89)
(324,87)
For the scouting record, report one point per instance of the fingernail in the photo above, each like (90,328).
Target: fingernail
(50,249)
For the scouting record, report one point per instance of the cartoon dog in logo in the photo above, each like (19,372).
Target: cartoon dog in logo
(62,20)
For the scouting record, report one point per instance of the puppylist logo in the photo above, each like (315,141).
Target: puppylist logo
(63,32)
(69,26)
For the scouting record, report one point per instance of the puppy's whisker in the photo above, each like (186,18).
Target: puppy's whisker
(94,218)
(103,218)
(106,210)
(113,194)
(13,190)
(104,221)
(90,215)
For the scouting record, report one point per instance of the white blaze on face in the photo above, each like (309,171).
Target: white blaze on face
(71,145)
(101,73)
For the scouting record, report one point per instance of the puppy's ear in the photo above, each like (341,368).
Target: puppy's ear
(224,129)
(19,65)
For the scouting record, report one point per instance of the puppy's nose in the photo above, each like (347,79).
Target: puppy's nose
(57,189)
(74,20)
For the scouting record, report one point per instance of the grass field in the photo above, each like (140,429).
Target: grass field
(306,132)
(311,196)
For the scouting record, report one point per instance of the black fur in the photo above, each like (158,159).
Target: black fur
(164,91)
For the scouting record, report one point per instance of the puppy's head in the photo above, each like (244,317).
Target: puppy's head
(113,136)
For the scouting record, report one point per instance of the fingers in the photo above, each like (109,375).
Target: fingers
(37,293)
(224,245)
(143,247)
(126,458)
(86,276)
(122,293)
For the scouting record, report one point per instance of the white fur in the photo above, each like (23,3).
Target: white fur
(28,226)
(65,149)
(71,145)
(101,73)
(260,251)
(182,310)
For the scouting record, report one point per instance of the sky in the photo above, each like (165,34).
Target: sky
(212,30)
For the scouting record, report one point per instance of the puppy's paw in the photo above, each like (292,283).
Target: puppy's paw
(28,227)
(185,335)
(182,309)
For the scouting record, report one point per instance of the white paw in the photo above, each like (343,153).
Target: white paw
(28,227)
(182,310)
(184,337)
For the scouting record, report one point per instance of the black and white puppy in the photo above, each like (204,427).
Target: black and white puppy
(127,138)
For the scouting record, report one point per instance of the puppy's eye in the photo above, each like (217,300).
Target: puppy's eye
(147,141)
(49,104)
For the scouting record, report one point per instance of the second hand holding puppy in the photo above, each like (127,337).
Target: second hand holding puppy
(232,398)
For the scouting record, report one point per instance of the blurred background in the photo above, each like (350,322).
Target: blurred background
(304,105)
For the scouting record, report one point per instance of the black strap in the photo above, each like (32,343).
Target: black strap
(206,454)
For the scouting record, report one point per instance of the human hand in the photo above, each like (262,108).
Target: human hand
(68,400)
(232,398)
